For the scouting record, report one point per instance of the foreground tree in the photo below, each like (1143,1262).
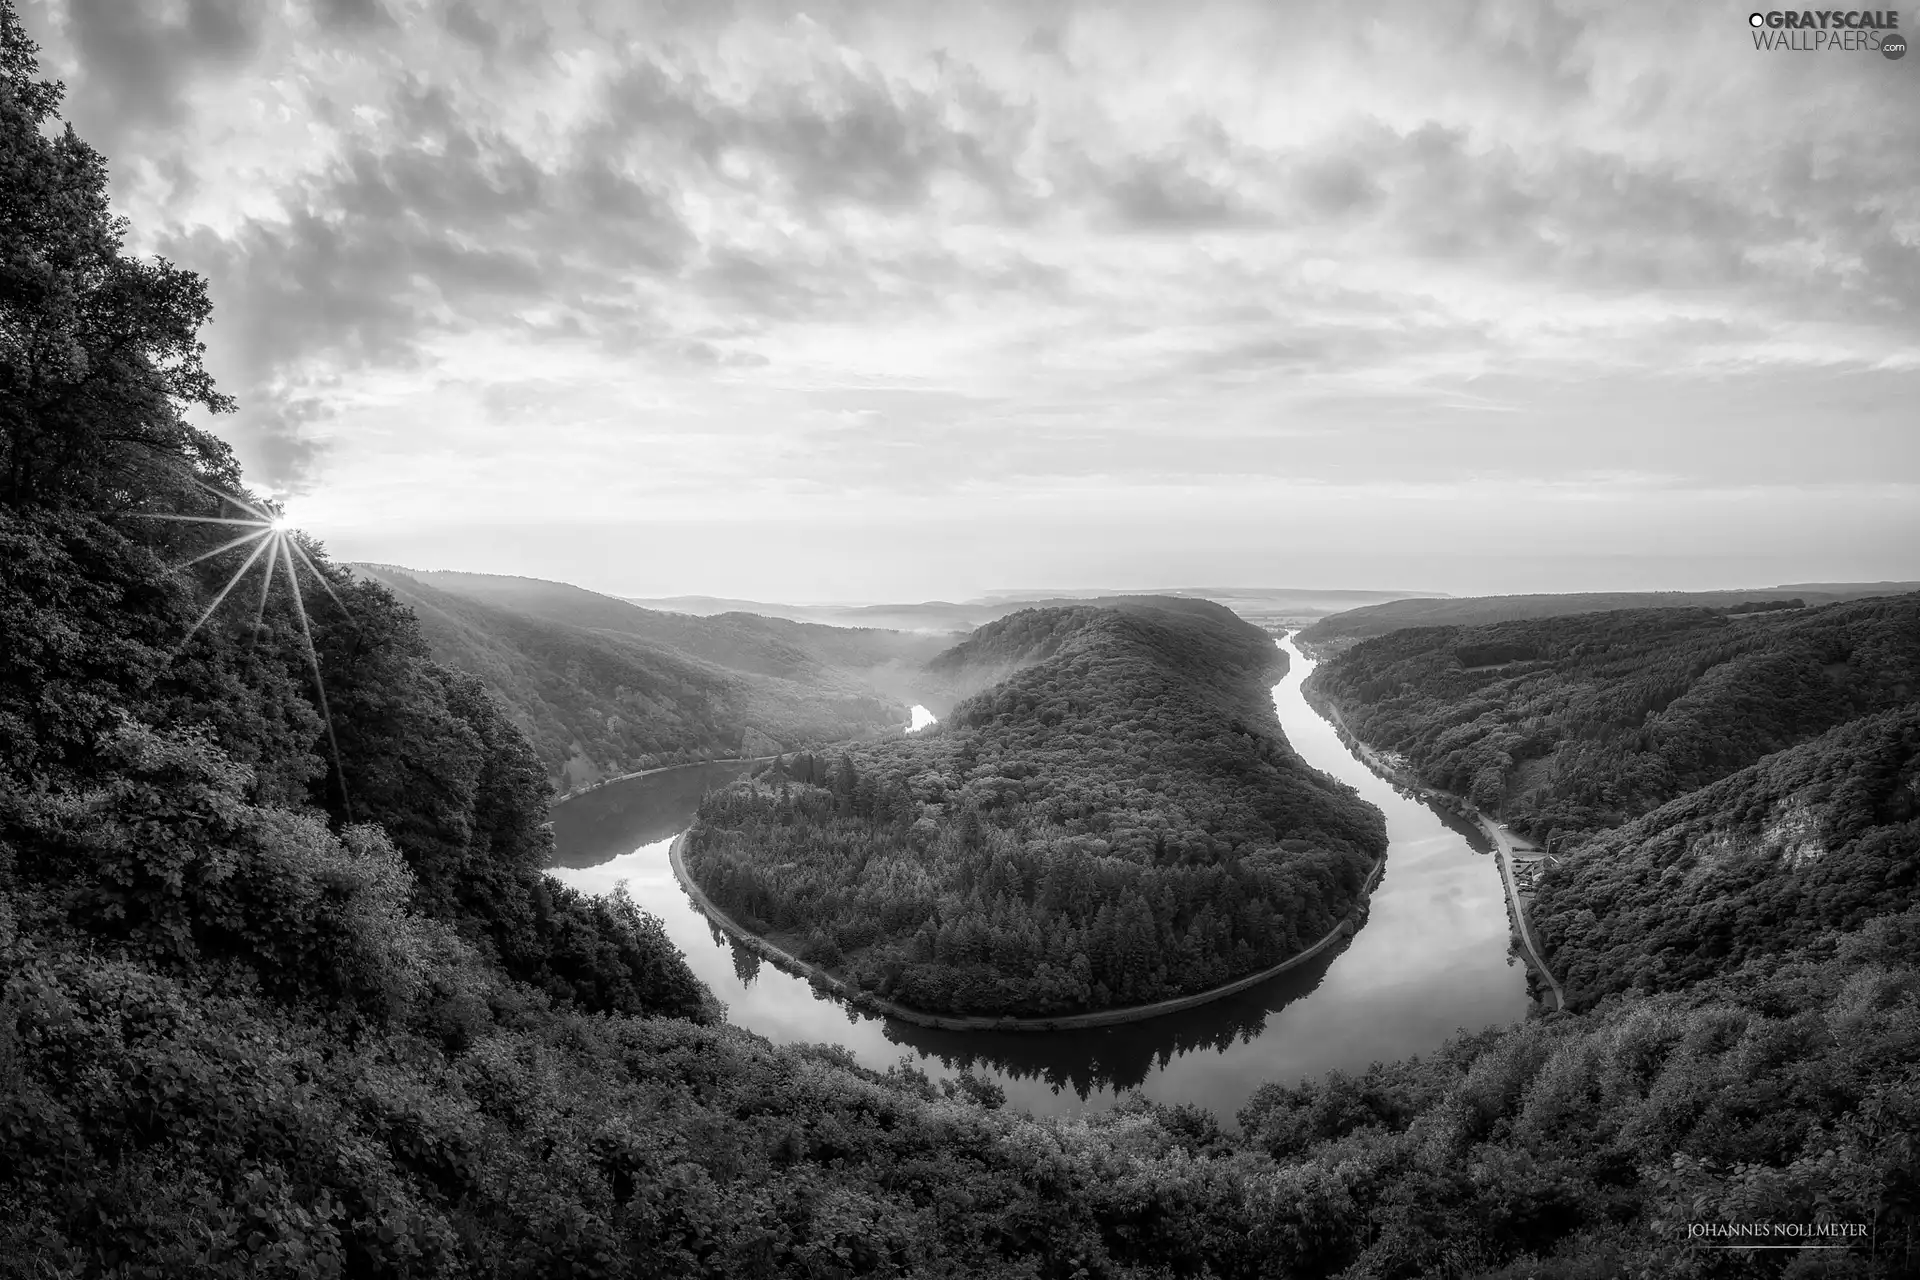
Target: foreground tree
(99,353)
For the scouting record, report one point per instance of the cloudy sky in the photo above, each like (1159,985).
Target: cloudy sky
(920,299)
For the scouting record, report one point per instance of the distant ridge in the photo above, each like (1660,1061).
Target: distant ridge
(1342,629)
(929,615)
(604,687)
(1214,593)
(1266,606)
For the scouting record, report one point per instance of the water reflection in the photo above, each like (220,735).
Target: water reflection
(613,819)
(1115,1059)
(746,961)
(1431,958)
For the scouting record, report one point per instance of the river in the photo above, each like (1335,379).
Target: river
(1433,957)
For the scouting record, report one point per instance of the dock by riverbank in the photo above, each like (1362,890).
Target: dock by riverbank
(1505,848)
(1504,843)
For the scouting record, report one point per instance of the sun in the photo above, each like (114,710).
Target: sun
(267,529)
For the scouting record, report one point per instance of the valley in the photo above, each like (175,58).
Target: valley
(605,688)
(1430,956)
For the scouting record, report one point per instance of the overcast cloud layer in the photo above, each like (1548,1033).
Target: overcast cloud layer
(909,300)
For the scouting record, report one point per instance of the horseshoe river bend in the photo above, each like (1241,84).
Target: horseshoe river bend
(1431,958)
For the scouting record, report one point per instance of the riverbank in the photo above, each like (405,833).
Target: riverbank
(867,1002)
(1403,779)
(1502,841)
(1503,846)
(647,773)
(1409,976)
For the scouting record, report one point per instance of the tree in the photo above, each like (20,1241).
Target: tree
(99,352)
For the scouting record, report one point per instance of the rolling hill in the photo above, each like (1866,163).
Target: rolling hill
(604,688)
(1815,840)
(1575,724)
(736,639)
(1337,631)
(1263,606)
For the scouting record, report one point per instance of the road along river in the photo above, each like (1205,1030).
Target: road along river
(1431,957)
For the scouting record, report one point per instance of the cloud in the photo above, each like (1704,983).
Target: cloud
(820,130)
(445,229)
(1162,194)
(465,22)
(355,15)
(137,60)
(1164,244)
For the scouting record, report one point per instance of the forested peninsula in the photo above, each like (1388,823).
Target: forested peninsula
(1117,822)
(284,992)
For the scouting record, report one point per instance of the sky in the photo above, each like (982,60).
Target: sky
(924,300)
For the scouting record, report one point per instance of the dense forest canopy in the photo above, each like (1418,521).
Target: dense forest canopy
(1119,821)
(278,1005)
(1564,726)
(1338,631)
(1807,844)
(598,700)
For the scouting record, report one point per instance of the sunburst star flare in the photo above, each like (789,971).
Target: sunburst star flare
(273,534)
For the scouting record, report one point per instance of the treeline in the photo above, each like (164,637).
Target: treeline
(1566,726)
(1118,822)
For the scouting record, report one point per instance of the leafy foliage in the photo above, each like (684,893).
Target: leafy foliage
(1585,1146)
(1120,821)
(98,351)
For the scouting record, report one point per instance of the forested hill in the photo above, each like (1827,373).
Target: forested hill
(1119,821)
(998,649)
(1806,845)
(1575,724)
(1031,634)
(740,641)
(1337,631)
(598,699)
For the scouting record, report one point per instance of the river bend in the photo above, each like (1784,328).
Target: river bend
(1432,957)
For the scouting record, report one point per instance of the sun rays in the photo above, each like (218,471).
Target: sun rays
(266,529)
